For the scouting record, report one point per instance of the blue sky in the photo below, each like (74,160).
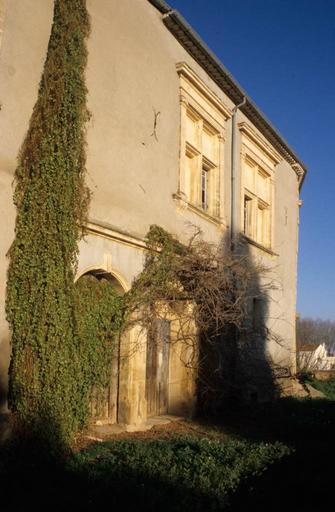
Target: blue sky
(282,52)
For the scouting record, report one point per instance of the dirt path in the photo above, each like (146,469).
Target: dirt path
(185,427)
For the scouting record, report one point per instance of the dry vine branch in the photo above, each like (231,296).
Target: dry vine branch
(204,289)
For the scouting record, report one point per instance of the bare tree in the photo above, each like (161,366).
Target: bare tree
(316,331)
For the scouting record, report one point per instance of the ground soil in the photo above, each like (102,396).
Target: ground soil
(166,431)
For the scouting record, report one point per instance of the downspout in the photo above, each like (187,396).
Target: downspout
(233,232)
(234,170)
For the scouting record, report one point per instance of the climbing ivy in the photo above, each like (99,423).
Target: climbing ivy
(99,314)
(51,200)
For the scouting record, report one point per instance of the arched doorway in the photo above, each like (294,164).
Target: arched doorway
(104,402)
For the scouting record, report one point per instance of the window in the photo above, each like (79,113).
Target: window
(247,216)
(201,163)
(259,161)
(263,224)
(257,203)
(204,189)
(203,117)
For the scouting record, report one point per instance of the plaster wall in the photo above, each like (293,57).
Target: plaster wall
(138,80)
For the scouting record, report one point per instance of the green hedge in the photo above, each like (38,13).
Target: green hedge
(183,473)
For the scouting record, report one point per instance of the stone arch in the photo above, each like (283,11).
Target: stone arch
(101,272)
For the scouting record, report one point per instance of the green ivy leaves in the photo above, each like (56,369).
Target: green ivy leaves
(52,201)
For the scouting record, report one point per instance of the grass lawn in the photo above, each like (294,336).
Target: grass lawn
(327,387)
(185,472)
(182,472)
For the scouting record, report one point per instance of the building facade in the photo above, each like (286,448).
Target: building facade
(173,140)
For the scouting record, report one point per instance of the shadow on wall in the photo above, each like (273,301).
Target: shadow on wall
(3,396)
(235,367)
(256,373)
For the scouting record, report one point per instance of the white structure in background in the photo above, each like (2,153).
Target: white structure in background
(315,357)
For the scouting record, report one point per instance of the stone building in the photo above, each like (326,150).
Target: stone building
(173,140)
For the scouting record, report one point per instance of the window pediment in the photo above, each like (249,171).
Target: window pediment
(258,146)
(198,95)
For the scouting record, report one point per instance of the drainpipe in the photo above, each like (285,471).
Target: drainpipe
(233,230)
(234,168)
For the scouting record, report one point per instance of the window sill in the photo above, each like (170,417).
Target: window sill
(184,204)
(259,246)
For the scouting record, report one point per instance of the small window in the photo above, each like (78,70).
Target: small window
(204,188)
(201,170)
(247,216)
(257,203)
(263,223)
(191,165)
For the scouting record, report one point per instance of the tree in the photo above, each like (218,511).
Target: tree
(315,332)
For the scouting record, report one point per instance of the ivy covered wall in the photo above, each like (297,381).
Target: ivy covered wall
(51,200)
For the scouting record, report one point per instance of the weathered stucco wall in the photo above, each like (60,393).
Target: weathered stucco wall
(133,55)
(132,174)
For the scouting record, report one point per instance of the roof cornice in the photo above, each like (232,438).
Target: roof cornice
(162,6)
(194,45)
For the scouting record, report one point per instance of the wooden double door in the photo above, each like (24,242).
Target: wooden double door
(157,370)
(104,403)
